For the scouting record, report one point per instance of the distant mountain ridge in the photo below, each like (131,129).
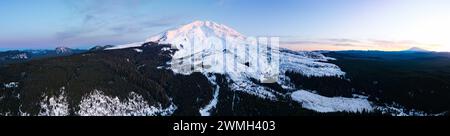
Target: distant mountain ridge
(416,49)
(63,50)
(100,48)
(13,56)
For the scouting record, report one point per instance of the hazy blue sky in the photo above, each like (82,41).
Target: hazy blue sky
(302,24)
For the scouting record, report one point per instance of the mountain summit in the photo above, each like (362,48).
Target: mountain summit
(63,50)
(198,36)
(199,30)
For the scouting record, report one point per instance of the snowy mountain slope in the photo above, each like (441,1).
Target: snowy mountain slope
(335,104)
(209,47)
(206,41)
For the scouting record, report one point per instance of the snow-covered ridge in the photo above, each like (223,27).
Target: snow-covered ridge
(130,45)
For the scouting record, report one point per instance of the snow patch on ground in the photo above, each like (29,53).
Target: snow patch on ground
(166,49)
(396,109)
(9,113)
(138,50)
(55,105)
(11,85)
(6,114)
(20,56)
(308,64)
(254,89)
(330,104)
(98,104)
(130,45)
(205,111)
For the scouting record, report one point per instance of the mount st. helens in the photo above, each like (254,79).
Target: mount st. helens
(169,74)
(239,65)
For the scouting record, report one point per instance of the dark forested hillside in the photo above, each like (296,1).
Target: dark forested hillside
(117,73)
(417,80)
(414,81)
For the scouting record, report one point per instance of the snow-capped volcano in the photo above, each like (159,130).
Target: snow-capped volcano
(209,47)
(213,48)
(221,49)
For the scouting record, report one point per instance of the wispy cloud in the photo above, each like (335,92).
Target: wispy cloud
(352,44)
(111,18)
(221,2)
(334,42)
(143,25)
